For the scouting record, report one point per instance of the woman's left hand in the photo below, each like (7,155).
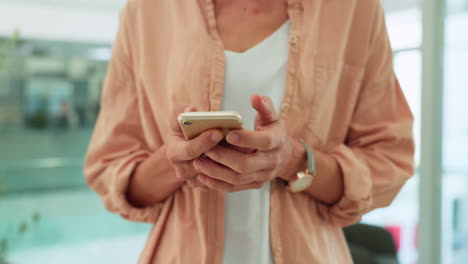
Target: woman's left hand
(230,170)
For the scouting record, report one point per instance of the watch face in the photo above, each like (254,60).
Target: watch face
(301,184)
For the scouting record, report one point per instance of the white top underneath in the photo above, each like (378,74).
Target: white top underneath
(262,69)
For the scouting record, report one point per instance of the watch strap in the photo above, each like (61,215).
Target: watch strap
(310,157)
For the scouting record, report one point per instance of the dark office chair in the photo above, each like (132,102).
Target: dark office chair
(370,244)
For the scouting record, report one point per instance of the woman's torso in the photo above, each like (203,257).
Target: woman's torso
(179,59)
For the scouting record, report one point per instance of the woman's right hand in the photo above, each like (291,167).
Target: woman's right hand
(181,152)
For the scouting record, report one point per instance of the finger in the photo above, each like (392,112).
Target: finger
(225,144)
(192,182)
(185,174)
(240,149)
(260,140)
(194,148)
(243,163)
(186,168)
(266,113)
(195,183)
(225,174)
(221,186)
(214,170)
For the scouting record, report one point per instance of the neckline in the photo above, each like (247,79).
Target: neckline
(261,43)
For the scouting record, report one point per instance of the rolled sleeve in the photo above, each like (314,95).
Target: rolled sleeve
(111,183)
(118,145)
(376,158)
(358,187)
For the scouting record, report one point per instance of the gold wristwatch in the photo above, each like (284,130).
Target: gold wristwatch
(304,179)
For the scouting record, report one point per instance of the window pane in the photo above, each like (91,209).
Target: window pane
(455,133)
(49,100)
(401,218)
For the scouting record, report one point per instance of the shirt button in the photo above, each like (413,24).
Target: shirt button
(293,39)
(285,107)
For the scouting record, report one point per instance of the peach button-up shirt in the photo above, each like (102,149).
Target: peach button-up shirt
(341,97)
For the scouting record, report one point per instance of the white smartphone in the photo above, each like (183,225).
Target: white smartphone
(195,123)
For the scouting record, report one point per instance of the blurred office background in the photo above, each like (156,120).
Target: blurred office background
(49,99)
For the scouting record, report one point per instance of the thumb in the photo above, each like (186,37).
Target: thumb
(266,113)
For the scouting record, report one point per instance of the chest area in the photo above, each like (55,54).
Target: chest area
(243,24)
(260,70)
(316,84)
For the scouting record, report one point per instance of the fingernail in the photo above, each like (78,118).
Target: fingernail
(233,138)
(264,102)
(216,137)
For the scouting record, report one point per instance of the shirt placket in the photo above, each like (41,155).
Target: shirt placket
(295,11)
(215,201)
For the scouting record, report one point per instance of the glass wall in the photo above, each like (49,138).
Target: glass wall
(455,133)
(49,100)
(401,218)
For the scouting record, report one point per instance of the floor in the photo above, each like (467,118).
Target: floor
(122,250)
(73,227)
